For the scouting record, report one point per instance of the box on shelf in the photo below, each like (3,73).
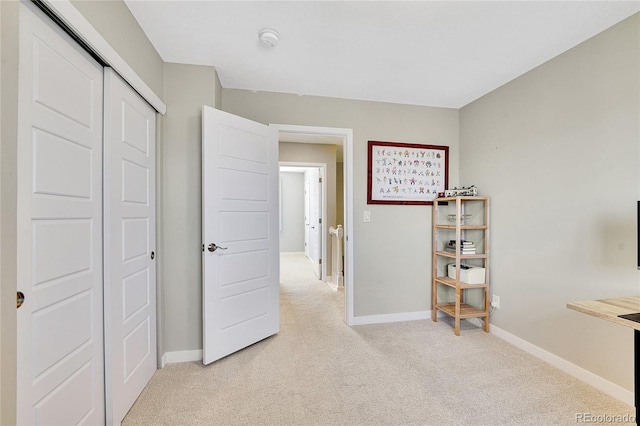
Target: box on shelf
(468,274)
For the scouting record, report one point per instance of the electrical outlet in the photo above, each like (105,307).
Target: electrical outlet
(495,301)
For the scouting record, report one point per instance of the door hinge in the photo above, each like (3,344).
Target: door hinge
(320,262)
(320,180)
(320,220)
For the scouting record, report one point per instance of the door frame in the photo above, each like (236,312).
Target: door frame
(324,229)
(347,145)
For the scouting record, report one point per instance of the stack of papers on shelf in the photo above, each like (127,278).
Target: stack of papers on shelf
(465,247)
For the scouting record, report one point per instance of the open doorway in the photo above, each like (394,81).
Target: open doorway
(342,212)
(303,198)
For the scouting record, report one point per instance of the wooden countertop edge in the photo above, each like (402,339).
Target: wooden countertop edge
(590,307)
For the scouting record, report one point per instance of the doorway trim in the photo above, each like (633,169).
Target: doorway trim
(347,145)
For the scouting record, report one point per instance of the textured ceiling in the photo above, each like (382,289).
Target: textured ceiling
(435,53)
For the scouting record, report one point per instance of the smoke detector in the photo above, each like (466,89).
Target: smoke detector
(269,37)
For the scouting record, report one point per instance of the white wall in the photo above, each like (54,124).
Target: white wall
(292,213)
(558,151)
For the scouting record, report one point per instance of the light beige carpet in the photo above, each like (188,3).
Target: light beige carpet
(318,371)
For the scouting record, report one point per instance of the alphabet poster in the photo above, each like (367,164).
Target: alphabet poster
(402,173)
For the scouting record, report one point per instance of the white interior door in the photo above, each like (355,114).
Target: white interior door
(130,272)
(241,267)
(317,206)
(315,220)
(60,371)
(307,223)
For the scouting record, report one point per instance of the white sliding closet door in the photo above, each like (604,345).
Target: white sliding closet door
(60,371)
(86,335)
(130,274)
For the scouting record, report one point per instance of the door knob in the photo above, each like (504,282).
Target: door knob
(20,299)
(213,247)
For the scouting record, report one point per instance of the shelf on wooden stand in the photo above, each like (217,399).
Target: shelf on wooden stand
(471,222)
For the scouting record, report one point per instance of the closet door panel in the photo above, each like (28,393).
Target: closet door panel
(130,274)
(60,371)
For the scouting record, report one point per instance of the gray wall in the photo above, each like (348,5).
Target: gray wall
(8,145)
(396,279)
(127,38)
(340,194)
(292,212)
(187,89)
(558,151)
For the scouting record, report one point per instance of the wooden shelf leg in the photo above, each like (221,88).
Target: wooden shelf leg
(456,330)
(434,294)
(486,309)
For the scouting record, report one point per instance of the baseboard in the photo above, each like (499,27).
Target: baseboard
(403,316)
(163,361)
(182,356)
(579,373)
(478,322)
(332,285)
